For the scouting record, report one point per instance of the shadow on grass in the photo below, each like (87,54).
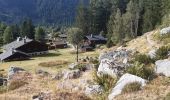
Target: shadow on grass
(49,55)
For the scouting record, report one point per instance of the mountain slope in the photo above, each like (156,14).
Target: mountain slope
(40,11)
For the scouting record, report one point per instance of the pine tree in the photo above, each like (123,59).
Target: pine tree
(40,34)
(8,35)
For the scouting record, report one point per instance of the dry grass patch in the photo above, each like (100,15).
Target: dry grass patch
(70,96)
(132,87)
(53,63)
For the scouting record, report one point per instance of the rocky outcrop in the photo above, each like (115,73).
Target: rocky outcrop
(111,68)
(42,73)
(163,67)
(93,89)
(165,31)
(123,81)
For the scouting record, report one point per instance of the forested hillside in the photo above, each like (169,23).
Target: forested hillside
(49,12)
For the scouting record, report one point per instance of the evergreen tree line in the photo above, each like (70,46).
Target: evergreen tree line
(121,20)
(9,33)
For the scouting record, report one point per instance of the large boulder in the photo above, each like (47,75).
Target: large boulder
(13,70)
(110,67)
(165,31)
(72,74)
(93,89)
(163,67)
(123,81)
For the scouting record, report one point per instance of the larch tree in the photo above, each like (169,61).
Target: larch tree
(75,36)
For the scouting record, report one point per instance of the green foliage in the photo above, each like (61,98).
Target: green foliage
(106,81)
(75,36)
(141,70)
(162,52)
(167,96)
(143,59)
(40,34)
(109,43)
(132,87)
(8,35)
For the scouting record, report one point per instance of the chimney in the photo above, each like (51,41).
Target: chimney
(91,35)
(25,39)
(19,39)
(13,50)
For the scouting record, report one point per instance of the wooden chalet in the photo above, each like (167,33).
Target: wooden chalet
(56,44)
(95,39)
(23,48)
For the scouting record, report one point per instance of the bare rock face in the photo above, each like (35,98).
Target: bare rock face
(163,67)
(123,81)
(93,89)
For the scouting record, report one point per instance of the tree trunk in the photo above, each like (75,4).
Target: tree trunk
(77,54)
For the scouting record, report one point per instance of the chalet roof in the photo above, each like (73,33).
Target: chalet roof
(96,37)
(63,35)
(9,53)
(17,43)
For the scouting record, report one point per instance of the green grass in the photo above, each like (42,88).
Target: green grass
(61,54)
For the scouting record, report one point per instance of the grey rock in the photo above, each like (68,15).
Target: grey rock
(72,66)
(72,74)
(152,53)
(42,73)
(163,67)
(93,89)
(13,70)
(165,31)
(123,81)
(58,76)
(3,81)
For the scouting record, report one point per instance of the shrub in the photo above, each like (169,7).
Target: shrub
(143,59)
(15,84)
(162,52)
(141,70)
(106,81)
(109,43)
(2,89)
(52,63)
(132,87)
(81,67)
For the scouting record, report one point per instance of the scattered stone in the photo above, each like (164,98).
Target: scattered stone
(42,73)
(72,74)
(14,70)
(163,67)
(152,53)
(72,66)
(93,89)
(123,81)
(58,76)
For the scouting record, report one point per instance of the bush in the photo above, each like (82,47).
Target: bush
(162,52)
(132,87)
(3,89)
(141,70)
(109,43)
(143,59)
(106,81)
(81,67)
